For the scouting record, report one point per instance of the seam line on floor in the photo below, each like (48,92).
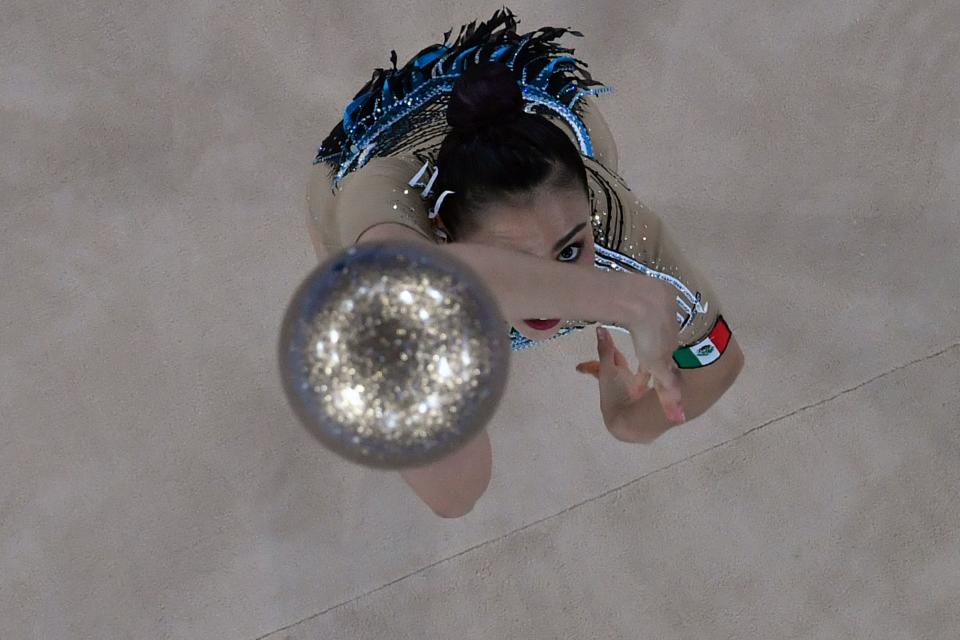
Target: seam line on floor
(614,490)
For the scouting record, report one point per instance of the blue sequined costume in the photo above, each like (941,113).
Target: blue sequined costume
(402,112)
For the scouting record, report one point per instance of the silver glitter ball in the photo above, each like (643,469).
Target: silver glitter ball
(393,354)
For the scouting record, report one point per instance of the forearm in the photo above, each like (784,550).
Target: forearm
(644,420)
(527,286)
(700,388)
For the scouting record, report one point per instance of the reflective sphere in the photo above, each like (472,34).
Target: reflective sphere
(393,354)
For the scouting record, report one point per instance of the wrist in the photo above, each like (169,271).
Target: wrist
(637,296)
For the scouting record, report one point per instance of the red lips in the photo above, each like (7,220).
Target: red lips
(542,325)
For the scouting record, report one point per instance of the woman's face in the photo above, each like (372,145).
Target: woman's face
(551,223)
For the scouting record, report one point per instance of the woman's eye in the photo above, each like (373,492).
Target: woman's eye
(571,256)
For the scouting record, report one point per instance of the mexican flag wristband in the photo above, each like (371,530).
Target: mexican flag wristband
(705,351)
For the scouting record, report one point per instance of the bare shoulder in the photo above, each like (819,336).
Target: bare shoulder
(392,231)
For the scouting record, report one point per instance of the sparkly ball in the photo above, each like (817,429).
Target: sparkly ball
(393,354)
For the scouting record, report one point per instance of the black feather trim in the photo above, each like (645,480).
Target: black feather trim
(528,54)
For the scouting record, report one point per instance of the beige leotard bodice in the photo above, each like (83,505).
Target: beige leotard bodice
(628,236)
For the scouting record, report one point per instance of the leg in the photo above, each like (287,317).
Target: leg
(451,485)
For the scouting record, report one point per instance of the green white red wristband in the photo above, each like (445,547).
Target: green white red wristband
(705,351)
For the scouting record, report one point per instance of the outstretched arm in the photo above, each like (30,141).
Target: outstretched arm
(629,412)
(699,388)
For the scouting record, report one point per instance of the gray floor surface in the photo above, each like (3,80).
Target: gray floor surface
(155,484)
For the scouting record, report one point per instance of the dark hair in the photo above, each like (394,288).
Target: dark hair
(496,150)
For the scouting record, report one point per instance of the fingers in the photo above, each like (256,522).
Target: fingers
(608,353)
(592,368)
(663,377)
(667,384)
(605,346)
(642,379)
(618,358)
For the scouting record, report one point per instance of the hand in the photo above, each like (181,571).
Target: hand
(620,389)
(656,335)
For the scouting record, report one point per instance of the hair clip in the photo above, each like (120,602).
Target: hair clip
(415,181)
(426,192)
(436,208)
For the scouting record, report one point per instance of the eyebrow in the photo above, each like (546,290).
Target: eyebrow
(562,241)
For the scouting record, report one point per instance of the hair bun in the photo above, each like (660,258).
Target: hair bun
(485,94)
